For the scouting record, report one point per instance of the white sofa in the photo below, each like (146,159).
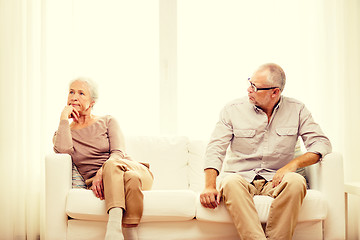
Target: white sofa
(172,209)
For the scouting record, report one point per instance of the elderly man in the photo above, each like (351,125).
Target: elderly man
(262,131)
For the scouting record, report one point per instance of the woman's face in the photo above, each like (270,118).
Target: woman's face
(79,97)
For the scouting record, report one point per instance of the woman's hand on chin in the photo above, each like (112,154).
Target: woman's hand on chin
(69,112)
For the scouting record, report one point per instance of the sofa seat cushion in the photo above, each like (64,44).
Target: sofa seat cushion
(159,205)
(313,208)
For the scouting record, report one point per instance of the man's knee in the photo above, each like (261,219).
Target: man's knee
(294,178)
(295,181)
(231,182)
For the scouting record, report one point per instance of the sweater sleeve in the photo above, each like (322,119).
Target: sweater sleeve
(62,138)
(116,139)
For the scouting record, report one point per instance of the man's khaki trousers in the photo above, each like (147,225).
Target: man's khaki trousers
(288,196)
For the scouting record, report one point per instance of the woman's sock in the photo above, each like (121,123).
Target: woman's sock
(113,229)
(130,233)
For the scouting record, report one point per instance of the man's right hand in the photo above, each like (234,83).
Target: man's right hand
(210,198)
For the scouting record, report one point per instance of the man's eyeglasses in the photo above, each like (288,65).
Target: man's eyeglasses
(255,89)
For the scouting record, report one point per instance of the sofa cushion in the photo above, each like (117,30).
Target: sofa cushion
(168,158)
(196,165)
(159,205)
(313,208)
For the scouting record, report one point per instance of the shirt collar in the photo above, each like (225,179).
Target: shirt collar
(257,109)
(279,103)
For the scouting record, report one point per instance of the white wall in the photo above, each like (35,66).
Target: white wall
(351,120)
(116,44)
(221,43)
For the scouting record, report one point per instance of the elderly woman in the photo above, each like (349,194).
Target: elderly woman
(96,145)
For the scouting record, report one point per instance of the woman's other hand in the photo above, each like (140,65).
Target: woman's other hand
(97,185)
(69,112)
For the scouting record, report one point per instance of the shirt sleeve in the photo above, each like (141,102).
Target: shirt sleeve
(314,139)
(62,138)
(116,139)
(219,142)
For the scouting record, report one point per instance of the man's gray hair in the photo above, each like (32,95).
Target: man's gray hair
(276,76)
(94,93)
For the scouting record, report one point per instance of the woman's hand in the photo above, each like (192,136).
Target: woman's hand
(97,185)
(69,112)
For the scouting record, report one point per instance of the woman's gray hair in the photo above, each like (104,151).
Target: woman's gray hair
(276,76)
(94,93)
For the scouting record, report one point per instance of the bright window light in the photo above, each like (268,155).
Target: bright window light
(116,44)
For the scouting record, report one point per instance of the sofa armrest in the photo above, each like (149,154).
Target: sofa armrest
(57,185)
(327,176)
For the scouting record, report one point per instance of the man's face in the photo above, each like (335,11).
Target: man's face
(261,98)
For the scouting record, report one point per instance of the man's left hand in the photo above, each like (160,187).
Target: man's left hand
(279,175)
(304,160)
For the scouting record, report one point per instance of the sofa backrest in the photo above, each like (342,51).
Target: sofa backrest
(175,161)
(168,158)
(196,174)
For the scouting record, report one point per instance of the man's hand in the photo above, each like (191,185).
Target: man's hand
(210,198)
(97,185)
(304,160)
(279,175)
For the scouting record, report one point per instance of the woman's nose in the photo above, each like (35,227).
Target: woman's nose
(74,97)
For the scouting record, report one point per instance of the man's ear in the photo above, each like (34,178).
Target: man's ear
(276,92)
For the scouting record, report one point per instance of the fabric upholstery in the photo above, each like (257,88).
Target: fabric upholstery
(172,207)
(313,209)
(159,205)
(77,179)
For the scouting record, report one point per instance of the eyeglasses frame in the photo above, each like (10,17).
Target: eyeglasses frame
(255,88)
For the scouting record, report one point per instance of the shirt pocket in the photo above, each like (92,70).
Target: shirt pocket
(244,141)
(285,140)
